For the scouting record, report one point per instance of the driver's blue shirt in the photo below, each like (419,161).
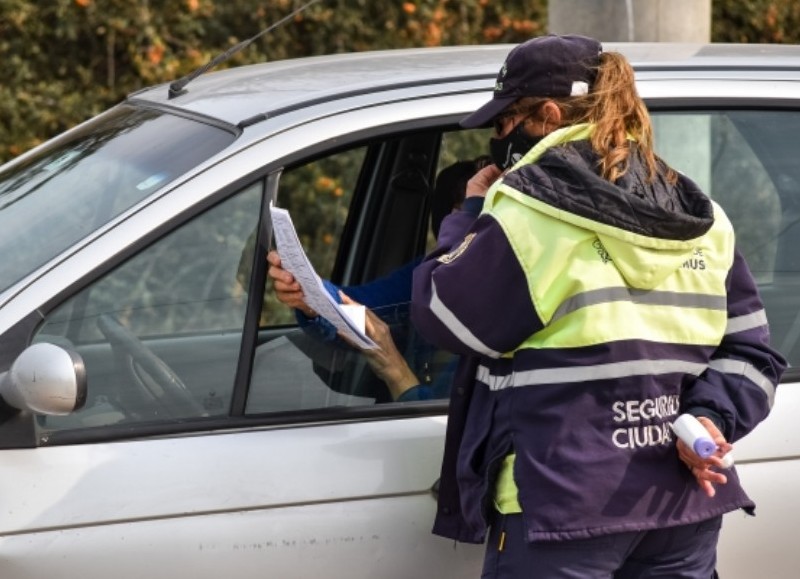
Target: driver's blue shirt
(389,298)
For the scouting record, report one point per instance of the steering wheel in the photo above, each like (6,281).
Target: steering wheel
(149,373)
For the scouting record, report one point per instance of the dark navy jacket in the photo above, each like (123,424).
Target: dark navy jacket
(589,424)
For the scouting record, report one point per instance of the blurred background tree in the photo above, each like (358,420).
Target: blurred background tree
(771,21)
(66,60)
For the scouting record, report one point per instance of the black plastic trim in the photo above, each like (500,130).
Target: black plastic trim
(182,112)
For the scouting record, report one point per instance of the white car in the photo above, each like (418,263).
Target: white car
(164,415)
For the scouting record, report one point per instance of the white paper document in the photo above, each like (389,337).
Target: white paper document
(295,261)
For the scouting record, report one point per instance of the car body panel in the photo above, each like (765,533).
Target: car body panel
(229,504)
(67,484)
(753,546)
(254,543)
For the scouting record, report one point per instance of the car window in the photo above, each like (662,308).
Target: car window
(307,366)
(317,195)
(743,159)
(101,169)
(160,335)
(458,146)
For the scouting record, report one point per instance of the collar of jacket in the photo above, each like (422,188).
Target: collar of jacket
(561,172)
(579,132)
(638,220)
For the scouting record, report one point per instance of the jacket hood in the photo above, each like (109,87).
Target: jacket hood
(649,229)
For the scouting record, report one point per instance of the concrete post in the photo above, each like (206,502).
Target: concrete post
(650,21)
(633,20)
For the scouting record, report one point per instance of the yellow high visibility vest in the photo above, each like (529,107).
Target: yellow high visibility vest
(659,290)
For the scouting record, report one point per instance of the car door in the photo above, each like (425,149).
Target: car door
(218,437)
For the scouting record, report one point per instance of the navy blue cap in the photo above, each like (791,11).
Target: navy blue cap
(546,66)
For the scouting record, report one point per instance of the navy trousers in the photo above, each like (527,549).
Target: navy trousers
(685,552)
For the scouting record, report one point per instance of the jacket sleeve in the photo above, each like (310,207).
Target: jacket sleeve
(384,296)
(390,290)
(470,295)
(738,388)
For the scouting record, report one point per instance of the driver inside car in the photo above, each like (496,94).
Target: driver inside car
(386,300)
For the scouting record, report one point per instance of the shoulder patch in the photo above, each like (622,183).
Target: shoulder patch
(453,255)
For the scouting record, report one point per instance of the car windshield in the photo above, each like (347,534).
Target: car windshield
(73,186)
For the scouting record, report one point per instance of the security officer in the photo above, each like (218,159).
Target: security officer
(597,296)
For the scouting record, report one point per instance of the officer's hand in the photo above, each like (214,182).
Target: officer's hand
(703,469)
(482,180)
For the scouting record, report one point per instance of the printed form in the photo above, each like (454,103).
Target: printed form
(295,261)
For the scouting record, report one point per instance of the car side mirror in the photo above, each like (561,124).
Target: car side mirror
(45,379)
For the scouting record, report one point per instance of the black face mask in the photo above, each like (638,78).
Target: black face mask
(505,152)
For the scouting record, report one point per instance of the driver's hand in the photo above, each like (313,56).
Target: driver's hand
(287,288)
(386,361)
(480,182)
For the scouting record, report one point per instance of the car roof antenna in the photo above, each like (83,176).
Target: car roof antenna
(178,87)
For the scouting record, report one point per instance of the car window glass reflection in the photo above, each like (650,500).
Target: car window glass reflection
(744,159)
(102,169)
(160,335)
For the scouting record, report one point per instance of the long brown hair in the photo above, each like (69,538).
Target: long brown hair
(613,105)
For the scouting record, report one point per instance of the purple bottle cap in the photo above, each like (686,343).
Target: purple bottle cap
(704,447)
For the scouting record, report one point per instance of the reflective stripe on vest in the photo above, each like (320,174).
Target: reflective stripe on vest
(615,370)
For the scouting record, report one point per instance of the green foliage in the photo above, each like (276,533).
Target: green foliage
(770,21)
(66,60)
